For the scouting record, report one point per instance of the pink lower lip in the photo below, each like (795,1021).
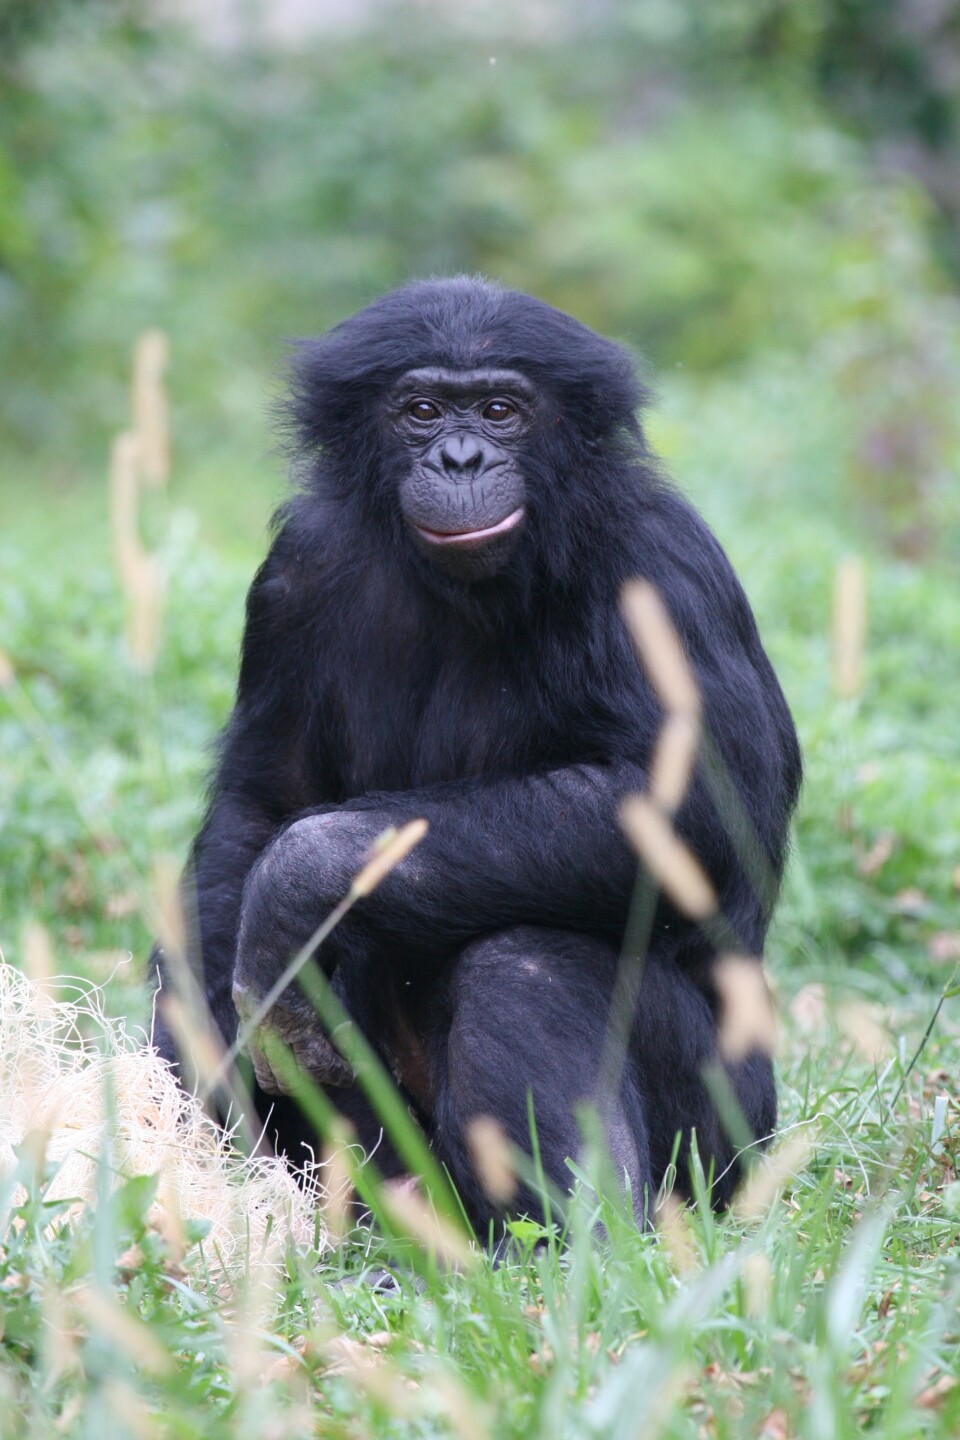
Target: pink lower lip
(461,537)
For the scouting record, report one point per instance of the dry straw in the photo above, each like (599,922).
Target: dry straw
(660,648)
(862,1024)
(338,1200)
(38,959)
(124,1330)
(411,1213)
(169,917)
(128,1408)
(647,818)
(849,627)
(673,759)
(773,1173)
(673,1224)
(184,1008)
(141,575)
(757,1285)
(60,1055)
(388,850)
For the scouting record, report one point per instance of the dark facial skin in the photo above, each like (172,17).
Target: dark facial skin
(463,496)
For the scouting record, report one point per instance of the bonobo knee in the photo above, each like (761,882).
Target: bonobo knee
(563,970)
(508,961)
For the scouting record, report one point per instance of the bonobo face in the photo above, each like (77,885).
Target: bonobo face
(462,496)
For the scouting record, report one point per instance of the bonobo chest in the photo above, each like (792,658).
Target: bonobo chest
(401,719)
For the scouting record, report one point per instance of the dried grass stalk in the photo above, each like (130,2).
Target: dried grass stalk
(667,858)
(61,1341)
(169,919)
(862,1024)
(141,574)
(465,1416)
(674,1227)
(38,959)
(673,759)
(389,849)
(246,1332)
(492,1158)
(660,648)
(130,1410)
(747,1019)
(774,1172)
(151,418)
(411,1213)
(338,1186)
(145,595)
(104,1315)
(199,1046)
(849,626)
(757,1285)
(128,551)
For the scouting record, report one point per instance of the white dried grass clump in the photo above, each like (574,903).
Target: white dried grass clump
(60,1058)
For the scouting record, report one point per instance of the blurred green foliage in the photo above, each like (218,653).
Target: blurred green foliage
(713,184)
(757,194)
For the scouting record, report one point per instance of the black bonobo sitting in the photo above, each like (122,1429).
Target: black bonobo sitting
(436,632)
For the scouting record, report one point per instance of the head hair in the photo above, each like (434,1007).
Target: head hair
(460,323)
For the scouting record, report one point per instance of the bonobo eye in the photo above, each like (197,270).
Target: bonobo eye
(423,411)
(498,410)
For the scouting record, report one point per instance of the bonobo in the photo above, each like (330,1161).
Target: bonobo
(436,632)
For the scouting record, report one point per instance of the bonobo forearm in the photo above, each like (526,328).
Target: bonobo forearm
(539,849)
(235,832)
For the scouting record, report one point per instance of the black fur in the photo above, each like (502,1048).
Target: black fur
(511,713)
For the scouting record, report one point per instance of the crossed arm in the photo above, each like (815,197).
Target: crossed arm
(538,849)
(542,849)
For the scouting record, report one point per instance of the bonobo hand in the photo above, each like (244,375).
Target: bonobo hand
(293,887)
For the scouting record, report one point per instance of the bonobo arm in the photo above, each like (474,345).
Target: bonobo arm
(234,834)
(540,849)
(259,784)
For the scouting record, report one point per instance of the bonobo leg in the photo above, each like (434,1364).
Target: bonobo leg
(528,1012)
(674,1039)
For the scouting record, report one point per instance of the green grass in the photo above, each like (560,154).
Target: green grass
(832,1312)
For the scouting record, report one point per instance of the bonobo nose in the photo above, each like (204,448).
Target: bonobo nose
(461,453)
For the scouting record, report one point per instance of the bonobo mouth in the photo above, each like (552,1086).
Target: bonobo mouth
(473,537)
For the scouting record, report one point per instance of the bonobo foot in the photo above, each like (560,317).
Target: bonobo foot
(294,1022)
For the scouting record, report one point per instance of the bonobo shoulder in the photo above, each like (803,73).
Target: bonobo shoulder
(686,562)
(278,607)
(272,595)
(293,569)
